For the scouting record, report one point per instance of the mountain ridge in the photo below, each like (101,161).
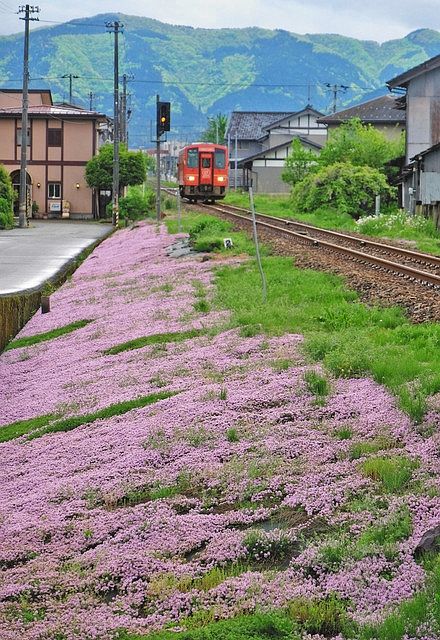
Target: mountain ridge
(206,71)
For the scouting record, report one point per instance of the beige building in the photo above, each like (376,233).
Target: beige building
(61,139)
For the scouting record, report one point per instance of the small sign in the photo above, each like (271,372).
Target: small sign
(54,206)
(228,243)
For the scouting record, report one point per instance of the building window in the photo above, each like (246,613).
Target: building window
(54,137)
(54,190)
(19,137)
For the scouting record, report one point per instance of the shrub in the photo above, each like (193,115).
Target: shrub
(6,214)
(137,204)
(7,196)
(349,189)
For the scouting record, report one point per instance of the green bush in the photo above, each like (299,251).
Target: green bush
(136,204)
(6,214)
(342,186)
(7,195)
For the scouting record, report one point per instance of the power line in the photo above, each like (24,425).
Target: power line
(217,84)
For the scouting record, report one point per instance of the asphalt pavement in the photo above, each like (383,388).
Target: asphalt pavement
(28,257)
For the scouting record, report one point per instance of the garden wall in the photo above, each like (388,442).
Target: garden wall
(15,311)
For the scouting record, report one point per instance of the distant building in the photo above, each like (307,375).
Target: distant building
(384,113)
(260,142)
(61,139)
(420,179)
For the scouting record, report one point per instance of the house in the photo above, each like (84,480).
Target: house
(263,170)
(384,113)
(260,142)
(420,179)
(61,139)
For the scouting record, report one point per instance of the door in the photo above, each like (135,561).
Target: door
(205,168)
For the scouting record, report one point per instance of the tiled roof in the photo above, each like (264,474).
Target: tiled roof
(52,110)
(383,109)
(250,125)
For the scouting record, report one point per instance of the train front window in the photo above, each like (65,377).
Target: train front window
(220,159)
(193,159)
(206,163)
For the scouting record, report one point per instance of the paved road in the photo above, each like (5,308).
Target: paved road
(29,256)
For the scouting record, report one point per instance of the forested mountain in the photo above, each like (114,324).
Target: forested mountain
(206,71)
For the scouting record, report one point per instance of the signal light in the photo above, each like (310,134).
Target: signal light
(163,117)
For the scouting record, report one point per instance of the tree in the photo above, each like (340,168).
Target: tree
(7,195)
(99,169)
(300,162)
(360,144)
(216,131)
(342,186)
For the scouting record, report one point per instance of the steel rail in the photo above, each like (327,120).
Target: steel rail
(416,256)
(423,276)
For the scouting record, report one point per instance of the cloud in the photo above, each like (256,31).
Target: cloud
(370,20)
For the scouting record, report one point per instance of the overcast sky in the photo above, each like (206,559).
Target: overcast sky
(367,19)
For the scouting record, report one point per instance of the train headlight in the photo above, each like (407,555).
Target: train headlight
(220,178)
(191,178)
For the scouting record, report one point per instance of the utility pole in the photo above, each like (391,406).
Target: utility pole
(70,76)
(124,109)
(115,27)
(236,161)
(157,166)
(28,10)
(335,89)
(91,96)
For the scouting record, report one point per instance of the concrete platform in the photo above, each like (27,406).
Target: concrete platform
(28,257)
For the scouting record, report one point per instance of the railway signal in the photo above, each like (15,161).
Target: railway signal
(163,117)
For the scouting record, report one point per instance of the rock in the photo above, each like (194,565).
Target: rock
(428,540)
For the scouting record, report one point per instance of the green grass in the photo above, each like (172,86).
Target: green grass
(344,433)
(232,435)
(156,338)
(393,474)
(48,335)
(349,338)
(259,626)
(317,384)
(208,232)
(361,449)
(41,425)
(17,429)
(327,617)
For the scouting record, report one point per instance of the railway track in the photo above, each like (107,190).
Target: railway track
(412,265)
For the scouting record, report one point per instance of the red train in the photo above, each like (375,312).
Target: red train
(203,171)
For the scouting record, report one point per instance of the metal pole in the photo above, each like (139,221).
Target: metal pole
(22,212)
(236,162)
(115,26)
(377,205)
(124,109)
(91,100)
(257,248)
(157,167)
(70,88)
(179,216)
